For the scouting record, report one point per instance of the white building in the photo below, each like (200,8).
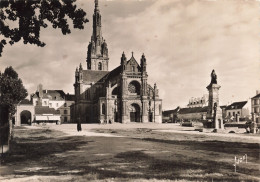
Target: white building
(198,101)
(238,110)
(56,99)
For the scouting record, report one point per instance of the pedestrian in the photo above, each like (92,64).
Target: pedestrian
(79,126)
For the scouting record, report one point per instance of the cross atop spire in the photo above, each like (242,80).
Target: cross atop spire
(96,5)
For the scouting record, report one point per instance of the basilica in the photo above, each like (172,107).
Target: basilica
(122,95)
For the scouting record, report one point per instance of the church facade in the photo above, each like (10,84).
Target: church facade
(122,95)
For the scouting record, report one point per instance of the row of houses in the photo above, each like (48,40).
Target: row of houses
(52,106)
(197,110)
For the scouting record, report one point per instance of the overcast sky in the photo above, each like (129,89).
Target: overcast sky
(183,40)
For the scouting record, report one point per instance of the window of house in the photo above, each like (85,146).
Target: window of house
(57,105)
(65,119)
(238,112)
(234,114)
(229,113)
(65,104)
(50,104)
(65,112)
(45,102)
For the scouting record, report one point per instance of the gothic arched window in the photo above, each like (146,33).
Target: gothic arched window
(103,109)
(99,66)
(133,69)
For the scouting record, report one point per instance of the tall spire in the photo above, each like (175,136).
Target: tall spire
(97,58)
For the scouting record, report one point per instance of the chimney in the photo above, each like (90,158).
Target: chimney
(40,90)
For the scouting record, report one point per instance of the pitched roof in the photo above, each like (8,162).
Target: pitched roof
(69,97)
(50,94)
(45,110)
(257,96)
(54,94)
(174,111)
(223,107)
(193,110)
(34,95)
(93,76)
(112,74)
(25,102)
(236,105)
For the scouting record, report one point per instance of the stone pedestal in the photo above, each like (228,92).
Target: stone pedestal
(214,113)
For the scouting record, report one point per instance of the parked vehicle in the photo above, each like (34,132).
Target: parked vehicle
(187,123)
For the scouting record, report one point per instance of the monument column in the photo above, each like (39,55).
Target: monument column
(214,113)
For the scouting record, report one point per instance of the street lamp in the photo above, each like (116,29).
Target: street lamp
(115,111)
(154,95)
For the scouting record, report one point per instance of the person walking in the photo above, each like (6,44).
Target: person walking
(79,126)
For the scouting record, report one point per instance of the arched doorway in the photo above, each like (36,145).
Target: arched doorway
(135,113)
(26,117)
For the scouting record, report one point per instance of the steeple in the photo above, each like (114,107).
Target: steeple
(97,56)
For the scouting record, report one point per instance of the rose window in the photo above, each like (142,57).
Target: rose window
(134,87)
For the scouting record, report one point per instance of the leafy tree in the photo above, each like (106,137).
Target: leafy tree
(11,89)
(31,15)
(11,92)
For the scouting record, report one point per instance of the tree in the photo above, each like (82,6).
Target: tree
(11,92)
(31,15)
(11,89)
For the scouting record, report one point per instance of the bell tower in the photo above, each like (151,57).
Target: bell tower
(97,55)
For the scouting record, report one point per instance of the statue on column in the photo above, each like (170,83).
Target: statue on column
(213,77)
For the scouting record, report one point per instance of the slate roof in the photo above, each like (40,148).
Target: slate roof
(51,94)
(45,110)
(112,74)
(93,76)
(236,105)
(58,94)
(257,96)
(193,110)
(223,107)
(69,97)
(174,111)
